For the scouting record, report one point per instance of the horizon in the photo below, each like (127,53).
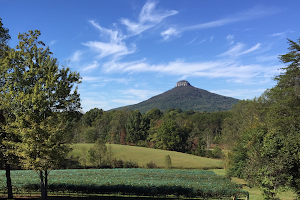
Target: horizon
(129,51)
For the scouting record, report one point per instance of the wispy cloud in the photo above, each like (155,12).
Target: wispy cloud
(106,49)
(125,101)
(148,18)
(240,93)
(91,102)
(91,66)
(227,69)
(99,79)
(114,45)
(281,34)
(230,39)
(254,13)
(193,40)
(141,94)
(52,42)
(76,56)
(170,33)
(238,50)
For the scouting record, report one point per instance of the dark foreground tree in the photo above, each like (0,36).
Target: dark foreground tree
(40,95)
(6,154)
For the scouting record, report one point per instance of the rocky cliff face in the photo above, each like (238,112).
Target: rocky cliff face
(182,83)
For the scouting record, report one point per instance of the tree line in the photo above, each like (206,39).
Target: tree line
(174,129)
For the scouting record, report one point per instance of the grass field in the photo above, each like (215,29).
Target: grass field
(143,155)
(255,193)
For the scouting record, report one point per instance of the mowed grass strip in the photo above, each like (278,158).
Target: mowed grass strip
(254,192)
(143,155)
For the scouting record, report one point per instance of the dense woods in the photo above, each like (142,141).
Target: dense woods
(175,130)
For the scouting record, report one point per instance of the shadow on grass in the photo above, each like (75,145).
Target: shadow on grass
(91,198)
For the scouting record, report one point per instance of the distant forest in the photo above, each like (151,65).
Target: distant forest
(174,129)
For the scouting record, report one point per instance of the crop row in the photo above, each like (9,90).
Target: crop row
(143,182)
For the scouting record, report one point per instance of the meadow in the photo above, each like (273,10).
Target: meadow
(143,155)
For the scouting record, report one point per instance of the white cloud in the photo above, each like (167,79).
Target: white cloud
(106,49)
(170,32)
(254,13)
(148,18)
(99,79)
(142,94)
(90,103)
(241,93)
(281,34)
(52,42)
(230,39)
(125,101)
(267,58)
(237,50)
(193,40)
(114,36)
(76,56)
(231,70)
(91,66)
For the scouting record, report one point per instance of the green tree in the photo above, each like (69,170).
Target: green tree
(168,161)
(90,116)
(284,115)
(40,95)
(97,154)
(135,127)
(171,137)
(7,157)
(267,138)
(91,135)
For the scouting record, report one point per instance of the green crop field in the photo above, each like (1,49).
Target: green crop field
(143,155)
(140,182)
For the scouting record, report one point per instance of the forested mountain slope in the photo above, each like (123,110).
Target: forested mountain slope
(185,97)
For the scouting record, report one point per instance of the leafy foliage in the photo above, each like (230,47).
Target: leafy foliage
(41,98)
(265,133)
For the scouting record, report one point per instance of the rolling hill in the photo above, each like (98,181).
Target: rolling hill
(185,97)
(143,155)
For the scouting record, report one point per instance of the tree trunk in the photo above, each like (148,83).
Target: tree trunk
(46,184)
(42,185)
(8,181)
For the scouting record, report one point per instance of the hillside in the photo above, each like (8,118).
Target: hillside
(143,155)
(185,97)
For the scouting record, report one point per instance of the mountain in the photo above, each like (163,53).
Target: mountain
(185,97)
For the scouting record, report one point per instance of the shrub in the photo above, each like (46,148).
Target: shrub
(117,163)
(151,165)
(130,164)
(217,152)
(168,161)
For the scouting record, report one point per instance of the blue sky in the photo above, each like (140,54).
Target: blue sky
(130,50)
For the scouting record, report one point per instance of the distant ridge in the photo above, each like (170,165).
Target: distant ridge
(185,97)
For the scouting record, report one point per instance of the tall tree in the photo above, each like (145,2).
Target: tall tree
(268,136)
(135,127)
(6,156)
(284,112)
(40,95)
